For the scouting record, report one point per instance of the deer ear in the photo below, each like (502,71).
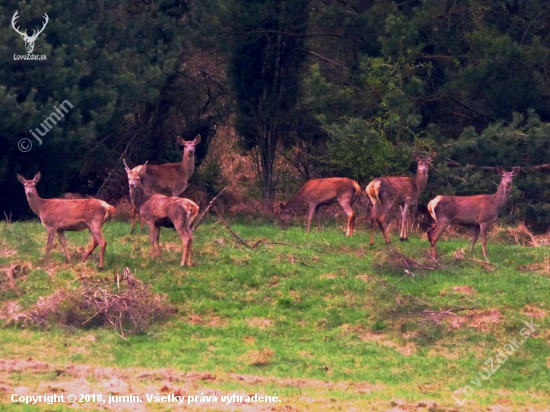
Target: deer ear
(142,169)
(20,179)
(499,170)
(516,170)
(36,178)
(180,141)
(197,139)
(432,157)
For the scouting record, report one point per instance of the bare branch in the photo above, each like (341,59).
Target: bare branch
(201,216)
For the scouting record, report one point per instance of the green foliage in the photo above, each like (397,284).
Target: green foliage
(264,68)
(523,141)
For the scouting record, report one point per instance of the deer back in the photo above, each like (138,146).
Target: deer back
(165,178)
(74,214)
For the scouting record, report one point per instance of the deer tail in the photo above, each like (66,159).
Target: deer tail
(372,191)
(109,210)
(432,206)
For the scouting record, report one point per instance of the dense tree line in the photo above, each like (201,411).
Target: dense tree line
(337,87)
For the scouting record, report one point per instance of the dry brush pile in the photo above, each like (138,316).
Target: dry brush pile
(125,304)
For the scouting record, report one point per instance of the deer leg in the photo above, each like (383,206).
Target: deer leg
(157,240)
(189,245)
(187,240)
(351,218)
(89,252)
(404,220)
(435,232)
(49,242)
(63,242)
(97,239)
(380,220)
(474,239)
(134,212)
(484,228)
(318,215)
(152,237)
(372,219)
(312,208)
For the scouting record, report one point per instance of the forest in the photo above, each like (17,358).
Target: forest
(347,88)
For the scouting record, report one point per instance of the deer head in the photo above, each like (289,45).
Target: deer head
(30,185)
(507,177)
(29,40)
(285,214)
(135,174)
(424,163)
(189,145)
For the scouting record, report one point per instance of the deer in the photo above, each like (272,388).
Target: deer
(162,211)
(479,211)
(385,192)
(73,215)
(29,40)
(170,178)
(323,192)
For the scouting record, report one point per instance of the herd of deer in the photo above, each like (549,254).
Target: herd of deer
(155,191)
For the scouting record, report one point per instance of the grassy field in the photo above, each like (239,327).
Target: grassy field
(324,321)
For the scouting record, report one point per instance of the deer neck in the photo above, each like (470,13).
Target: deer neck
(188,163)
(293,203)
(138,196)
(502,195)
(35,202)
(421,180)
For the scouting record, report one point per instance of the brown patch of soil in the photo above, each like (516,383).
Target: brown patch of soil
(480,319)
(261,323)
(407,350)
(467,290)
(534,312)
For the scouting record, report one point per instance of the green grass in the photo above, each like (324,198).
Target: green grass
(326,309)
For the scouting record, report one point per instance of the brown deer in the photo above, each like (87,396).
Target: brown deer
(479,211)
(385,192)
(171,178)
(60,215)
(159,210)
(323,192)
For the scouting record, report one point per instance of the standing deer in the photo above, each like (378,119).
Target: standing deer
(60,215)
(159,210)
(322,192)
(170,178)
(479,211)
(385,192)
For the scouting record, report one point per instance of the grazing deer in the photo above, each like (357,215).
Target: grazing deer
(385,192)
(322,192)
(479,211)
(170,178)
(159,210)
(60,215)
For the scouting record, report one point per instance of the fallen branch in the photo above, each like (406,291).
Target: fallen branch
(240,239)
(198,221)
(272,243)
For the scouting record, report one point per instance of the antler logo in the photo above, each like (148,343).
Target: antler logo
(29,40)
